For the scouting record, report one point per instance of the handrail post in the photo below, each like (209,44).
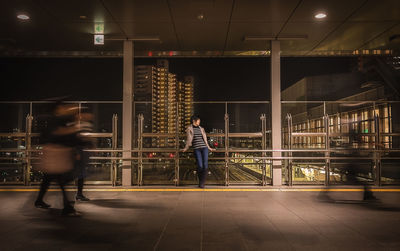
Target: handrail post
(377,155)
(226,149)
(177,146)
(140,148)
(327,153)
(263,147)
(114,142)
(28,147)
(290,146)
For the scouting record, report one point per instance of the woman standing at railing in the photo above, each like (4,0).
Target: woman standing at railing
(197,138)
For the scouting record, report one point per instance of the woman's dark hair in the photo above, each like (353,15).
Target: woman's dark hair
(194,118)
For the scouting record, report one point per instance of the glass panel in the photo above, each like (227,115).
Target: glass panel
(306,118)
(245,168)
(158,172)
(14,117)
(352,171)
(390,169)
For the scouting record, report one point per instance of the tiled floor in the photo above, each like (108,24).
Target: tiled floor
(199,220)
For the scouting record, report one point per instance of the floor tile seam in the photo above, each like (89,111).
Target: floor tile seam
(202,222)
(309,225)
(243,240)
(155,246)
(279,231)
(349,227)
(23,243)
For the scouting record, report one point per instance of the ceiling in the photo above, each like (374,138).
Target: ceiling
(56,27)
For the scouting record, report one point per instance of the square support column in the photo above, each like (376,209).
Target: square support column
(127,120)
(276,129)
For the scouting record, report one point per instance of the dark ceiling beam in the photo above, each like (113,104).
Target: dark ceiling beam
(269,38)
(174,25)
(229,27)
(380,34)
(337,27)
(113,18)
(289,17)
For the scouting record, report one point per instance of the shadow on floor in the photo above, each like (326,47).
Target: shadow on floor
(377,204)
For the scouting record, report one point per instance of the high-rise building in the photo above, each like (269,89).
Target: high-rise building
(144,77)
(171,100)
(185,102)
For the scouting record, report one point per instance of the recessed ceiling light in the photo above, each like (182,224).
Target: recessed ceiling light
(23,17)
(320,15)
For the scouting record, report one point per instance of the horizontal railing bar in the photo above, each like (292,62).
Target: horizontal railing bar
(297,134)
(215,102)
(334,134)
(231,135)
(377,102)
(97,135)
(12,158)
(23,134)
(69,102)
(389,134)
(172,150)
(14,134)
(266,158)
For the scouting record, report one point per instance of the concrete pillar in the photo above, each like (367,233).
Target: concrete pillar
(276,111)
(127,120)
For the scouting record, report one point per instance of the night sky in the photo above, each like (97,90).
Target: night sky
(101,78)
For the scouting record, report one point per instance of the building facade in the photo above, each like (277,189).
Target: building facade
(165,102)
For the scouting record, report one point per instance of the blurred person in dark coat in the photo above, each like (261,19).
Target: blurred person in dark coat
(84,122)
(59,139)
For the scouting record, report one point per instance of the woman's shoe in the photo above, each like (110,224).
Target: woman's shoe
(41,204)
(82,198)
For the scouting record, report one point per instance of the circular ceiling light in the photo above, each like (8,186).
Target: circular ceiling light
(320,15)
(23,17)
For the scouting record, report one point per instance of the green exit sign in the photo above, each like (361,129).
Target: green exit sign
(98,39)
(99,28)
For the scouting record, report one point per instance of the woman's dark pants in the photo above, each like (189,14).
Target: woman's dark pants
(201,156)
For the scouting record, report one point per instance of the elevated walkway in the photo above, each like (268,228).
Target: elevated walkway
(216,218)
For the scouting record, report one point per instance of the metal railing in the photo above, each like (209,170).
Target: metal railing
(30,153)
(227,156)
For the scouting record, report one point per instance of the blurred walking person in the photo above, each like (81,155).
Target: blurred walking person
(59,140)
(197,138)
(84,122)
(354,171)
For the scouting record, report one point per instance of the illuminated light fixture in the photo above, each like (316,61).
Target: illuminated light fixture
(82,17)
(23,17)
(98,33)
(200,16)
(98,28)
(320,15)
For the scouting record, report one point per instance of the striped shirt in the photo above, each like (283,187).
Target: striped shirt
(198,141)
